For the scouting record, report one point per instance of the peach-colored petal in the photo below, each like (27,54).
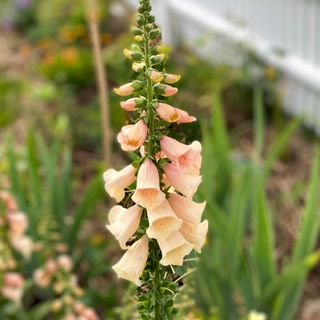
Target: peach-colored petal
(170,91)
(167,112)
(124,223)
(129,105)
(186,184)
(187,157)
(185,117)
(156,76)
(125,90)
(195,234)
(186,209)
(162,221)
(174,249)
(132,137)
(117,181)
(148,193)
(133,262)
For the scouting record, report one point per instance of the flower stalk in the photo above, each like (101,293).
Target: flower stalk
(156,220)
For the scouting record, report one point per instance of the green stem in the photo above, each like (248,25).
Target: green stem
(149,98)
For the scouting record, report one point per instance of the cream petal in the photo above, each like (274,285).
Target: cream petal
(148,193)
(133,262)
(162,221)
(124,223)
(174,249)
(117,181)
(195,234)
(186,209)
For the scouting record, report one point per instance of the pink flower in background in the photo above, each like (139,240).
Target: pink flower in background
(187,157)
(117,181)
(186,184)
(65,262)
(18,224)
(162,221)
(23,244)
(132,137)
(13,287)
(124,223)
(148,193)
(133,262)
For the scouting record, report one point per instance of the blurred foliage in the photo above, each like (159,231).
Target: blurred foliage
(238,271)
(10,99)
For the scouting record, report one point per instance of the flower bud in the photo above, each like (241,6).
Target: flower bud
(171,78)
(165,90)
(132,55)
(132,104)
(157,59)
(136,31)
(155,76)
(138,66)
(128,89)
(138,38)
(155,33)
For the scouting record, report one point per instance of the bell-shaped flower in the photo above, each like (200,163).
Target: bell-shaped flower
(133,262)
(148,193)
(186,209)
(171,114)
(117,181)
(162,221)
(124,223)
(174,249)
(184,183)
(187,157)
(155,76)
(195,234)
(132,137)
(128,88)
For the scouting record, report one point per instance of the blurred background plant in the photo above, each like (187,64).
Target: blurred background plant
(262,204)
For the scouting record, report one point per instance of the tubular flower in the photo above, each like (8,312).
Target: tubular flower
(174,249)
(124,223)
(117,181)
(186,184)
(148,193)
(188,158)
(133,262)
(171,114)
(162,221)
(156,189)
(132,137)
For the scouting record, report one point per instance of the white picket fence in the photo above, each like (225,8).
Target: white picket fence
(285,33)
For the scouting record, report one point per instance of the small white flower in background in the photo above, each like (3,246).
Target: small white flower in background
(254,315)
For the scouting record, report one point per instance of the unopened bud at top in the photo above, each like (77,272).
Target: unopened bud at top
(138,66)
(157,59)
